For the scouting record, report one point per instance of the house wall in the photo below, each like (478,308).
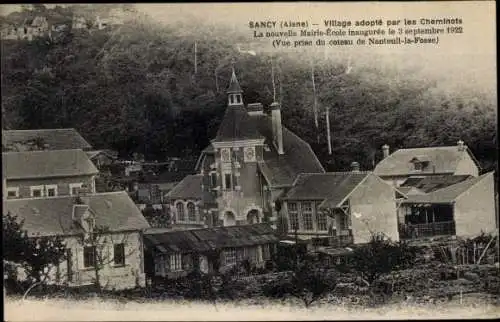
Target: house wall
(123,277)
(61,182)
(253,253)
(302,233)
(475,209)
(375,202)
(247,195)
(184,202)
(466,166)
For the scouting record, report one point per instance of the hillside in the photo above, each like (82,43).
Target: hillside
(134,88)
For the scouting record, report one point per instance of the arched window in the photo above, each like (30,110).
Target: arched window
(191,212)
(180,211)
(253,217)
(229,219)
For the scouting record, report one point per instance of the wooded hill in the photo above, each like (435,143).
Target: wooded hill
(138,89)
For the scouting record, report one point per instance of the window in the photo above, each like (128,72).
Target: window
(213,179)
(238,99)
(74,188)
(180,211)
(321,221)
(175,262)
(418,166)
(293,216)
(266,252)
(227,181)
(235,180)
(307,216)
(344,221)
(88,256)
(191,212)
(51,190)
(12,192)
(119,254)
(36,191)
(230,256)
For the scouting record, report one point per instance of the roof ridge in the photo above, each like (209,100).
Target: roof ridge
(46,151)
(33,130)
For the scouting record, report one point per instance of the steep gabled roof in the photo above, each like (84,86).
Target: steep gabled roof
(46,164)
(331,188)
(236,125)
(447,194)
(188,188)
(433,182)
(55,139)
(441,160)
(234,85)
(54,215)
(282,169)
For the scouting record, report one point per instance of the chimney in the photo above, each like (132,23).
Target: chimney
(385,150)
(277,128)
(255,109)
(461,145)
(355,166)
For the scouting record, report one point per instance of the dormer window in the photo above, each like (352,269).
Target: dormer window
(420,163)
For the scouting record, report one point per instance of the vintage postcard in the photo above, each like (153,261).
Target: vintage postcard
(250,161)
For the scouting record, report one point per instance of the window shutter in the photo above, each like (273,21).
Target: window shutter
(79,257)
(109,259)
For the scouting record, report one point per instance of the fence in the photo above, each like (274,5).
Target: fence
(444,228)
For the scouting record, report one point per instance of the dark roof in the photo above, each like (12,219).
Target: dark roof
(234,85)
(441,160)
(432,183)
(331,188)
(53,215)
(236,125)
(188,188)
(56,139)
(446,194)
(298,157)
(46,164)
(109,153)
(209,238)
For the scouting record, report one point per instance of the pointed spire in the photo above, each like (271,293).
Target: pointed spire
(234,85)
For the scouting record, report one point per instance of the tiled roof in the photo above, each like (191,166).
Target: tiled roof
(298,157)
(188,188)
(441,160)
(331,188)
(433,182)
(56,139)
(236,125)
(53,216)
(45,164)
(209,238)
(447,194)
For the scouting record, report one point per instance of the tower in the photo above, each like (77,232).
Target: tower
(234,91)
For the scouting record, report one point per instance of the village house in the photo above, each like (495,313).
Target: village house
(43,139)
(49,173)
(252,161)
(117,251)
(436,206)
(177,253)
(79,22)
(420,162)
(102,158)
(186,203)
(339,208)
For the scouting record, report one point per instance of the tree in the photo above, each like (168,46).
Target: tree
(381,256)
(37,255)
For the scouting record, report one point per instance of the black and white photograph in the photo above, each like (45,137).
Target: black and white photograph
(249,161)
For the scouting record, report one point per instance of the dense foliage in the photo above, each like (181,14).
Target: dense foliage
(37,255)
(136,89)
